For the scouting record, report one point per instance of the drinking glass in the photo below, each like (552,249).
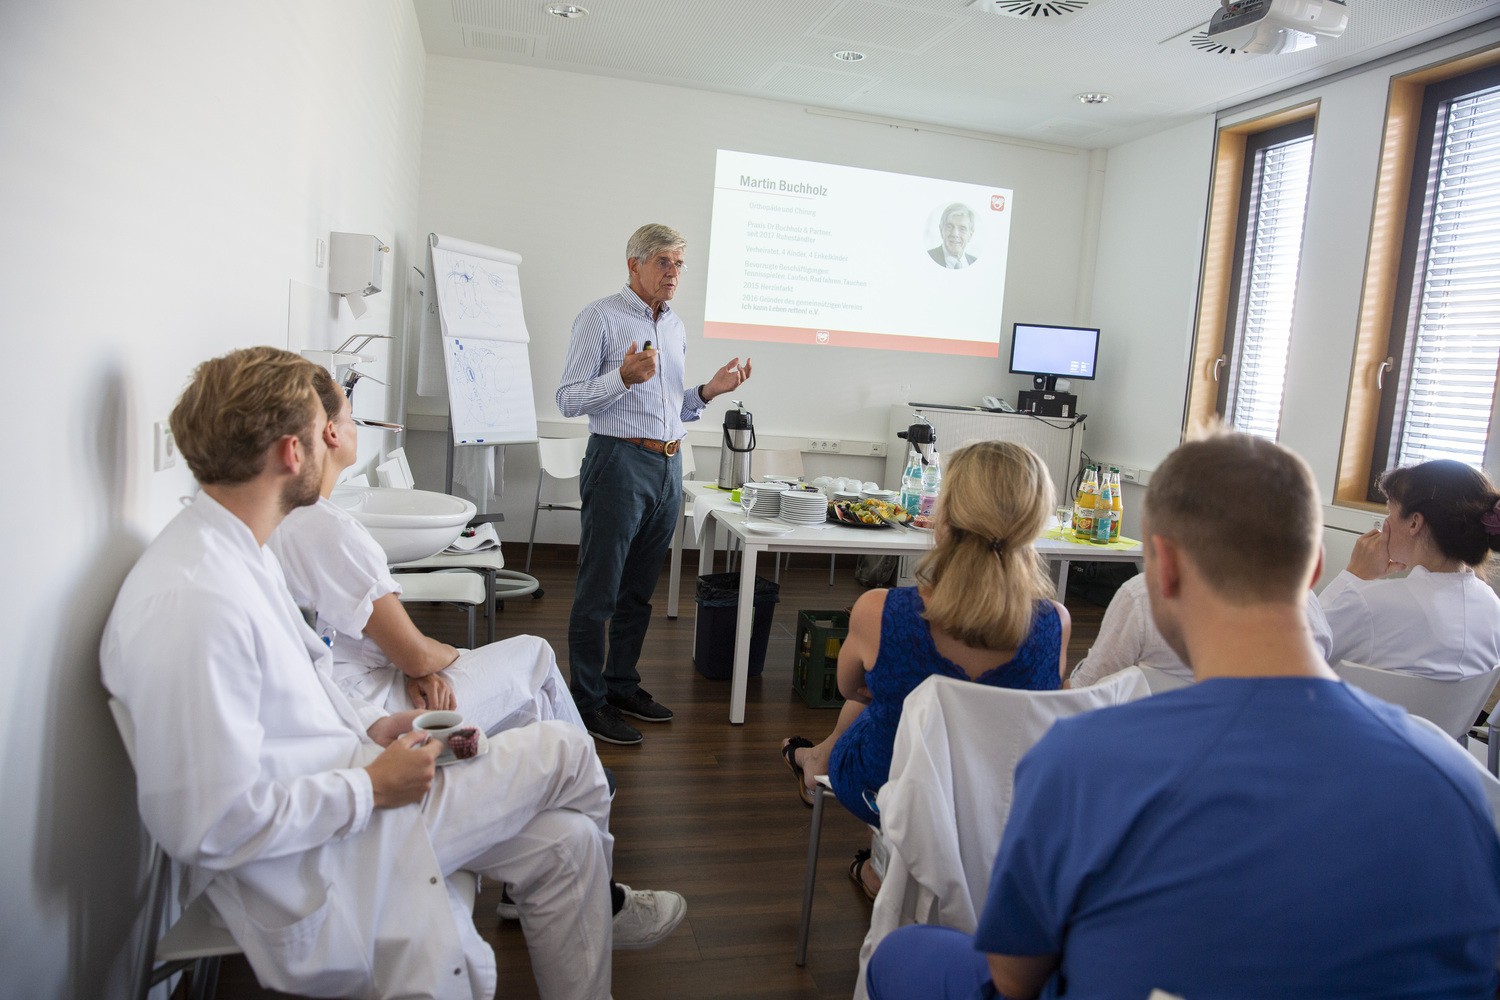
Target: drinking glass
(747,501)
(1064,517)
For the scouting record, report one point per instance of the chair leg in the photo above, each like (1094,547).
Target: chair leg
(1494,750)
(535,510)
(489,605)
(814,835)
(205,978)
(470,610)
(157,877)
(831,560)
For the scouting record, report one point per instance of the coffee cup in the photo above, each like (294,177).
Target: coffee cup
(438,725)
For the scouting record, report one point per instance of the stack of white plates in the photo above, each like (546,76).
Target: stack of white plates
(804,506)
(767,498)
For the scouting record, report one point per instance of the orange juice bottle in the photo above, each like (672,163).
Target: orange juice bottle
(1084,504)
(1117,506)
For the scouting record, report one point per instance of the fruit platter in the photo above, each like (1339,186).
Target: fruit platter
(867,513)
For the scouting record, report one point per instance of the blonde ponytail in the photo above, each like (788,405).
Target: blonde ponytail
(983,578)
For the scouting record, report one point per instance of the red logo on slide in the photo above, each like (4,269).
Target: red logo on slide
(821,336)
(997,203)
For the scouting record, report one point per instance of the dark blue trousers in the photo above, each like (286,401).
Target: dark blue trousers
(632,498)
(920,962)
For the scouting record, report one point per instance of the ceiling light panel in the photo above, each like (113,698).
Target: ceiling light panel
(894,27)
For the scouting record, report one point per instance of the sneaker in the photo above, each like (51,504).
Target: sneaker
(641,705)
(606,724)
(647,917)
(507,910)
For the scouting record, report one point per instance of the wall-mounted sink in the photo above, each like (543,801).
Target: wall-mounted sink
(408,524)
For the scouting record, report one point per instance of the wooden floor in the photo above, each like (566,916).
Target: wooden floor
(707,809)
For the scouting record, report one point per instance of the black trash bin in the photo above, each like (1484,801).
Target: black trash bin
(718,603)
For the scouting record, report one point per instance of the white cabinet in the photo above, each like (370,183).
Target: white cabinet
(1057,440)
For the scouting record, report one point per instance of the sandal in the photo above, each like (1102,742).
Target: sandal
(857,873)
(789,752)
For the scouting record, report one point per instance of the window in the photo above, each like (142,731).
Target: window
(1272,208)
(1438,381)
(1252,250)
(1422,383)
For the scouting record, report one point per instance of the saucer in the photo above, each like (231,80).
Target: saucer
(446,757)
(767,529)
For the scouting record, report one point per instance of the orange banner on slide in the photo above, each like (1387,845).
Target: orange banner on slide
(849,338)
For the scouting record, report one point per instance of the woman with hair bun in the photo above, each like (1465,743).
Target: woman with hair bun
(1442,619)
(980,612)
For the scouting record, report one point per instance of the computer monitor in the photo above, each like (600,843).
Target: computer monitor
(1048,353)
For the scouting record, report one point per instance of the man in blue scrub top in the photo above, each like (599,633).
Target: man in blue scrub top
(637,402)
(1265,832)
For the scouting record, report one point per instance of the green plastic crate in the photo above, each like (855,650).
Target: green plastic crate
(815,671)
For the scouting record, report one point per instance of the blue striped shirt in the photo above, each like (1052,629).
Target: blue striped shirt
(591,382)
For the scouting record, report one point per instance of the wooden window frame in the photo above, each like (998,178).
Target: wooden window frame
(1383,261)
(1220,250)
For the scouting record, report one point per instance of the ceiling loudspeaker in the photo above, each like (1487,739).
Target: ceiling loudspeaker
(1272,27)
(1028,9)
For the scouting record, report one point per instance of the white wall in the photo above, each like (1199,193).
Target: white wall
(166,168)
(1148,271)
(562,167)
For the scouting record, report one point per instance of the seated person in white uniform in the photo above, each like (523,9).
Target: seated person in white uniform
(336,569)
(317,824)
(1442,619)
(1128,636)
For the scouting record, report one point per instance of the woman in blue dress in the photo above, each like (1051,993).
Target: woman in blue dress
(980,611)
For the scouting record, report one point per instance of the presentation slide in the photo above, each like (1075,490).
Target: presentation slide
(814,253)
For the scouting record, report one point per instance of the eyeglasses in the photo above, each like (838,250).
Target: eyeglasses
(665,264)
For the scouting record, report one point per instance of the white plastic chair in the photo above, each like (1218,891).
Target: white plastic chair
(197,939)
(950,789)
(961,738)
(499,583)
(674,571)
(1451,705)
(1160,680)
(560,459)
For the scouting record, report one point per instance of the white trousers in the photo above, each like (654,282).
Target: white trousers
(500,686)
(533,813)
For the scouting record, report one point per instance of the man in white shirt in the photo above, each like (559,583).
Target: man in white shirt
(335,569)
(317,825)
(1128,636)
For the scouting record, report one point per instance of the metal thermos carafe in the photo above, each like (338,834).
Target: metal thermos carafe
(735,449)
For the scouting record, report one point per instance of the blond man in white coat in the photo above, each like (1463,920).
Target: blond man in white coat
(318,825)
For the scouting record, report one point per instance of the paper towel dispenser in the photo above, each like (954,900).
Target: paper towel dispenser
(355,267)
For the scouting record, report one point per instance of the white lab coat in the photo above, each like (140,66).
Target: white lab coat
(249,771)
(945,806)
(335,568)
(1440,625)
(1128,636)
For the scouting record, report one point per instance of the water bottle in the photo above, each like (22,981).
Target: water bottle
(911,482)
(932,481)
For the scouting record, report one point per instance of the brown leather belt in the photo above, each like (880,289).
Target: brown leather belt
(667,448)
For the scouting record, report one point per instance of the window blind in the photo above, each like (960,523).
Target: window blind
(1278,205)
(1450,382)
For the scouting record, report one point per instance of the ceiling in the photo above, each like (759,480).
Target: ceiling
(942,62)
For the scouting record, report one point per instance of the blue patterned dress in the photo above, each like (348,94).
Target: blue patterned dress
(861,759)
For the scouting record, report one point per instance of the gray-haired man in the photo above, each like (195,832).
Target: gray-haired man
(637,402)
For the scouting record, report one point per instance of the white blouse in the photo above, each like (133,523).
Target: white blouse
(1441,625)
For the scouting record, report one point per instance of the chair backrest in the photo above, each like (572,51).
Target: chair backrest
(775,462)
(952,777)
(689,464)
(359,480)
(395,471)
(1451,705)
(561,458)
(1160,680)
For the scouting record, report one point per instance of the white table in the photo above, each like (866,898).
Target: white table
(838,540)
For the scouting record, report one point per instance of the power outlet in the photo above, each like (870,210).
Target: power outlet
(877,449)
(823,446)
(164,446)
